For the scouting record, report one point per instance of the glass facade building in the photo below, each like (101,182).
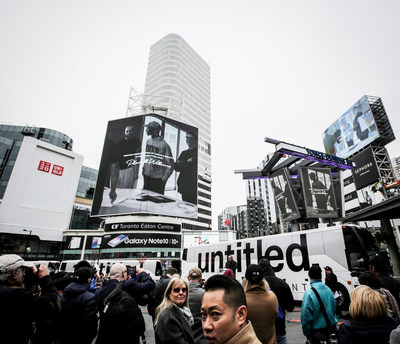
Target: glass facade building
(179,79)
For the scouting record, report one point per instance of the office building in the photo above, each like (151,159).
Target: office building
(178,86)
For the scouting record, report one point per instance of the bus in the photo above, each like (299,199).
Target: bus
(104,265)
(346,249)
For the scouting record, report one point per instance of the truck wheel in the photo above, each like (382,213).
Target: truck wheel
(343,301)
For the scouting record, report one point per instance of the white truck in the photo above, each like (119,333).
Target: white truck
(346,249)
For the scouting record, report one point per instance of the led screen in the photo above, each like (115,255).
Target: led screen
(284,196)
(149,165)
(319,196)
(355,129)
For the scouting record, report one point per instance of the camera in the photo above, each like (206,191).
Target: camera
(131,270)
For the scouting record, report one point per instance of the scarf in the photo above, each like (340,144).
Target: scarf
(186,313)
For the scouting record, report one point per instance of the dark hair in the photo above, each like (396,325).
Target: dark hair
(171,271)
(370,279)
(378,263)
(82,275)
(82,264)
(315,272)
(234,295)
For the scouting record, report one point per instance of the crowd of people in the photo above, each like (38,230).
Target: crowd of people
(84,308)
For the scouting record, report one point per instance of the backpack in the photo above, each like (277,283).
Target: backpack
(121,308)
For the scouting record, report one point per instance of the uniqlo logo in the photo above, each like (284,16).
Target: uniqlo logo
(44,166)
(58,170)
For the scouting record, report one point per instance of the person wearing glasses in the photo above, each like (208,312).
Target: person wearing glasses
(173,317)
(136,287)
(20,307)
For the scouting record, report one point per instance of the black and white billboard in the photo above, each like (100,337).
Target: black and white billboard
(149,165)
(319,196)
(284,196)
(371,195)
(366,171)
(141,240)
(354,130)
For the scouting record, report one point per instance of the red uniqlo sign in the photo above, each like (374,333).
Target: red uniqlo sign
(58,170)
(44,166)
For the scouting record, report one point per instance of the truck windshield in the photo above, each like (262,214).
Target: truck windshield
(360,245)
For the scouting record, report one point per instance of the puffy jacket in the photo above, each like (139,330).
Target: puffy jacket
(369,331)
(77,322)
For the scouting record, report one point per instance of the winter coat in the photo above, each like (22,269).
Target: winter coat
(20,308)
(77,322)
(311,314)
(196,293)
(367,331)
(172,328)
(262,308)
(282,292)
(245,336)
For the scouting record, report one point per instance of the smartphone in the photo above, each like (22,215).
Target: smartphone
(117,240)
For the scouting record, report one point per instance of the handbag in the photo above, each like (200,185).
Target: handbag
(323,335)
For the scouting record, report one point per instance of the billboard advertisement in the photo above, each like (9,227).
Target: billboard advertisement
(371,195)
(366,171)
(141,240)
(355,129)
(284,196)
(319,195)
(149,165)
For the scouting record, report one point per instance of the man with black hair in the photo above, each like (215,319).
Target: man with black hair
(78,319)
(284,295)
(224,313)
(380,268)
(86,264)
(313,321)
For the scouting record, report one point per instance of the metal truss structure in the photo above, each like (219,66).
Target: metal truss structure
(168,106)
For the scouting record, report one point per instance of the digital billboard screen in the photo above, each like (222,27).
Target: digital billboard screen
(149,165)
(319,195)
(355,129)
(284,195)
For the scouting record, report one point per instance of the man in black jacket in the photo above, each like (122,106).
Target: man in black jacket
(284,295)
(20,307)
(187,166)
(78,319)
(137,288)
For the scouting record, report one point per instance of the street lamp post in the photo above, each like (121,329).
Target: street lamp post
(27,243)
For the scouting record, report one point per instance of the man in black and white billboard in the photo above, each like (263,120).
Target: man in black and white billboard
(159,163)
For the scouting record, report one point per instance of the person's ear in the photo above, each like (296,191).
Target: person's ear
(241,315)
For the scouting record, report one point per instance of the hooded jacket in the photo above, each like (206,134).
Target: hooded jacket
(281,290)
(77,322)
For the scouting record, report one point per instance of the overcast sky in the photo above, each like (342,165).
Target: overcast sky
(282,69)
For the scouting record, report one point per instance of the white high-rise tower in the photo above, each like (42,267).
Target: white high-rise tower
(178,85)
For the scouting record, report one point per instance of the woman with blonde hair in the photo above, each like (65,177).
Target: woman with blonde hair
(262,304)
(173,318)
(369,322)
